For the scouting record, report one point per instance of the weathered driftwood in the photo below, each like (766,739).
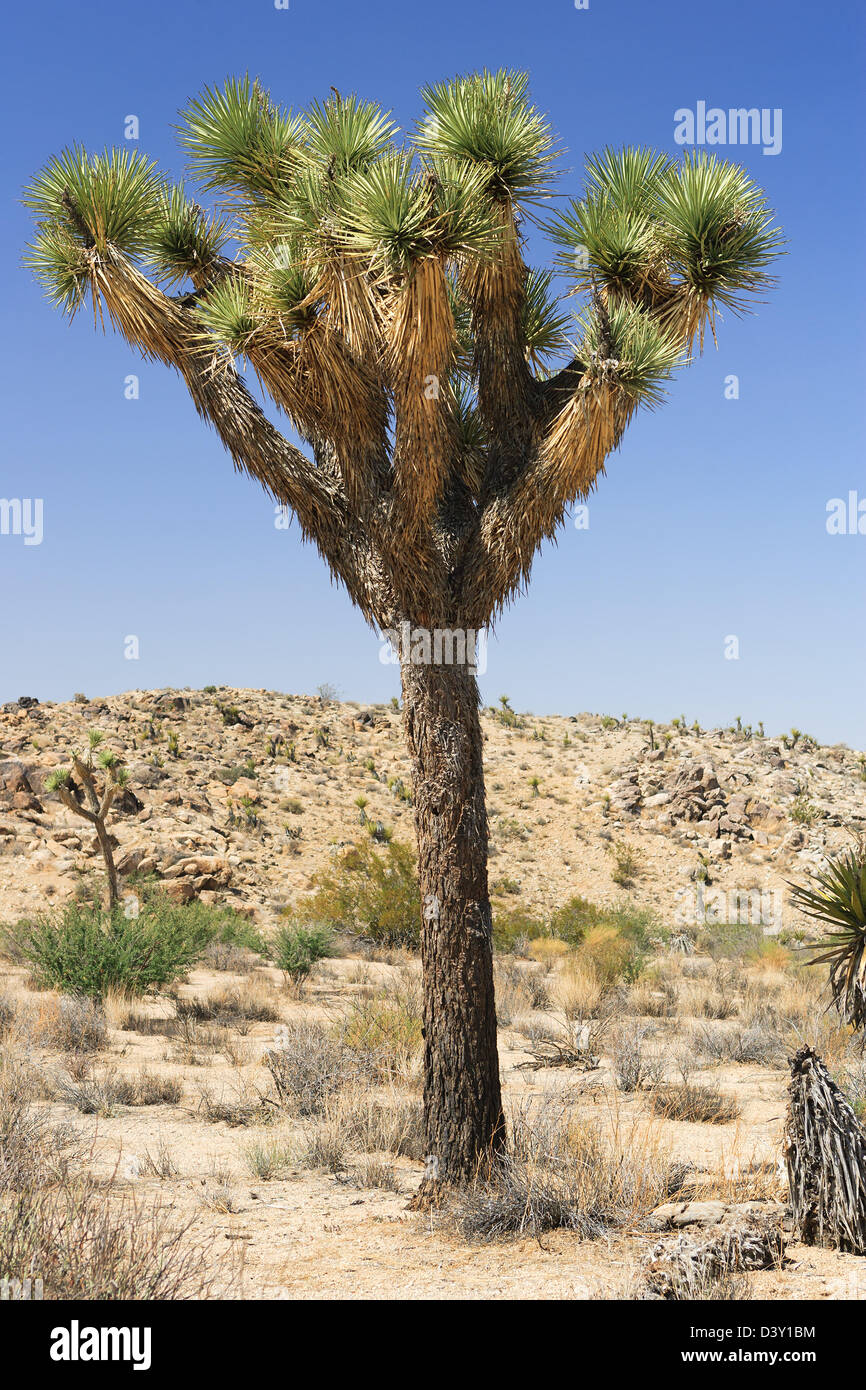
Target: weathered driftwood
(825,1151)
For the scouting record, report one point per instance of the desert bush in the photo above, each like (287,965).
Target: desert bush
(627,863)
(8,1014)
(851,1079)
(633,1066)
(238,943)
(160,1161)
(547,950)
(382,1033)
(102,1094)
(572,920)
(323,1144)
(91,1095)
(392,1123)
(376,1172)
(149,1088)
(227,927)
(653,997)
(86,951)
(372,892)
(719,1000)
(308,1062)
(577,989)
(518,991)
(615,955)
(730,941)
(515,927)
(758,1044)
(297,948)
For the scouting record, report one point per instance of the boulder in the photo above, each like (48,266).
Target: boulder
(674,1216)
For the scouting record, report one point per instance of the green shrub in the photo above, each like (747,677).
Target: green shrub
(513,925)
(574,918)
(86,950)
(372,892)
(231,929)
(627,863)
(615,940)
(297,947)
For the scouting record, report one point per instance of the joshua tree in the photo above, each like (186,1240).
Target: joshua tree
(377,288)
(98,800)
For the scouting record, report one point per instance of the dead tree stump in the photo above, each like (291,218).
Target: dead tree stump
(825,1152)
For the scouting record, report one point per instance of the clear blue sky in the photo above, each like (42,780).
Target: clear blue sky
(711,521)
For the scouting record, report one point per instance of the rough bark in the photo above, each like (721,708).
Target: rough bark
(825,1152)
(464,1122)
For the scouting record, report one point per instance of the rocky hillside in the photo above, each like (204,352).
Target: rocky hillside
(241,795)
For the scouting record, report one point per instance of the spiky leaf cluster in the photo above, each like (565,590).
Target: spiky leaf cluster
(454,400)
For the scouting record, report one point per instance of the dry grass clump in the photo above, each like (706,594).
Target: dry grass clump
(358,1121)
(391,1123)
(69,1024)
(9,1013)
(577,989)
(85,1239)
(382,1035)
(160,1162)
(653,996)
(149,1088)
(561,1173)
(102,1094)
(233,1006)
(226,958)
(519,990)
(702,1104)
(269,1158)
(547,950)
(322,1145)
(720,999)
(376,1172)
(757,1043)
(197,1045)
(237,1105)
(633,1066)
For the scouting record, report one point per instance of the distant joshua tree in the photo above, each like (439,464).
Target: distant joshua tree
(98,794)
(378,290)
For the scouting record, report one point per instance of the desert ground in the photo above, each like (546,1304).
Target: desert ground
(271,1128)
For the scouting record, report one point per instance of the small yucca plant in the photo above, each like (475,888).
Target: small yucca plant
(837,896)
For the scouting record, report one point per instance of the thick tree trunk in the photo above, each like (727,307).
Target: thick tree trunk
(464,1122)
